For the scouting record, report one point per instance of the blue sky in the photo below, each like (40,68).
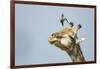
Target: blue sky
(33,25)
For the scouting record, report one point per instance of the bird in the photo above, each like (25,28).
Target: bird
(63,19)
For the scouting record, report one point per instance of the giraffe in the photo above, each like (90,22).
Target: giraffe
(67,40)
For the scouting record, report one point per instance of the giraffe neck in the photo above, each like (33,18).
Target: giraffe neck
(76,55)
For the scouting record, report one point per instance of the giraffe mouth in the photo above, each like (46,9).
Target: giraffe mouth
(52,40)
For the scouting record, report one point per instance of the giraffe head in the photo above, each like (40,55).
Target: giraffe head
(64,39)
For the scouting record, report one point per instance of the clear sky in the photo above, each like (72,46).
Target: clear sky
(33,25)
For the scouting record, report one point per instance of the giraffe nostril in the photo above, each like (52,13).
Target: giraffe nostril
(52,35)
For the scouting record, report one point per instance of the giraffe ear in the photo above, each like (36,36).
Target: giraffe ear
(80,40)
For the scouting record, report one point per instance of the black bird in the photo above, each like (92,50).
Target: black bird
(63,19)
